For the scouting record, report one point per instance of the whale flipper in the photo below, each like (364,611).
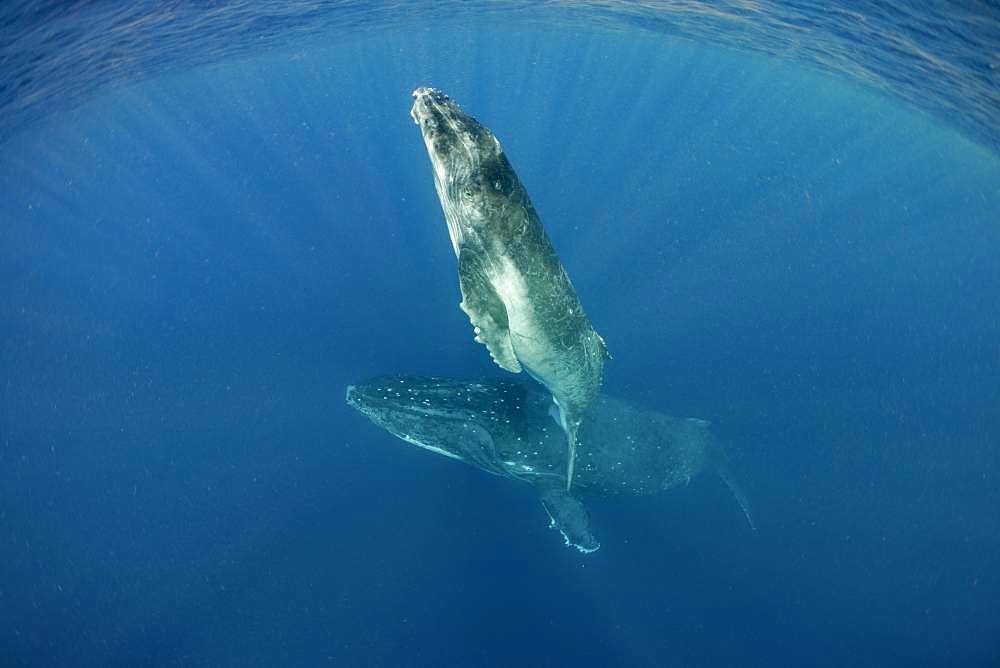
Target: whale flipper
(486,310)
(570,517)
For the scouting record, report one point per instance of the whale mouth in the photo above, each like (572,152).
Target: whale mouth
(453,142)
(444,416)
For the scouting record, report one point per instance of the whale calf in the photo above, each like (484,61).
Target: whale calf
(515,291)
(507,428)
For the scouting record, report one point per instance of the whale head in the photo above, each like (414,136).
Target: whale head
(474,180)
(455,418)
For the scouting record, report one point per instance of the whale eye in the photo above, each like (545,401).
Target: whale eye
(467,194)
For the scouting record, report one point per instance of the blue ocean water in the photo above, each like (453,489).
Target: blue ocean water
(782,217)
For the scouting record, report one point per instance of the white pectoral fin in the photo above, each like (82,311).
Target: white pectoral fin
(486,311)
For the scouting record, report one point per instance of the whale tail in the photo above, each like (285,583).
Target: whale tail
(738,494)
(557,413)
(570,460)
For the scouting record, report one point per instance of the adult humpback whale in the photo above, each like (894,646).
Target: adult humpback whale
(514,289)
(507,428)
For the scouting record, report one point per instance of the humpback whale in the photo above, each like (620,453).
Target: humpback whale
(514,289)
(509,429)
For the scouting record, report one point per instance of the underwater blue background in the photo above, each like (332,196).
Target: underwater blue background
(194,266)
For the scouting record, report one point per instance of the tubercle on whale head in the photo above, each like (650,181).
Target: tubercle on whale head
(456,142)
(425,95)
(471,174)
(428,396)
